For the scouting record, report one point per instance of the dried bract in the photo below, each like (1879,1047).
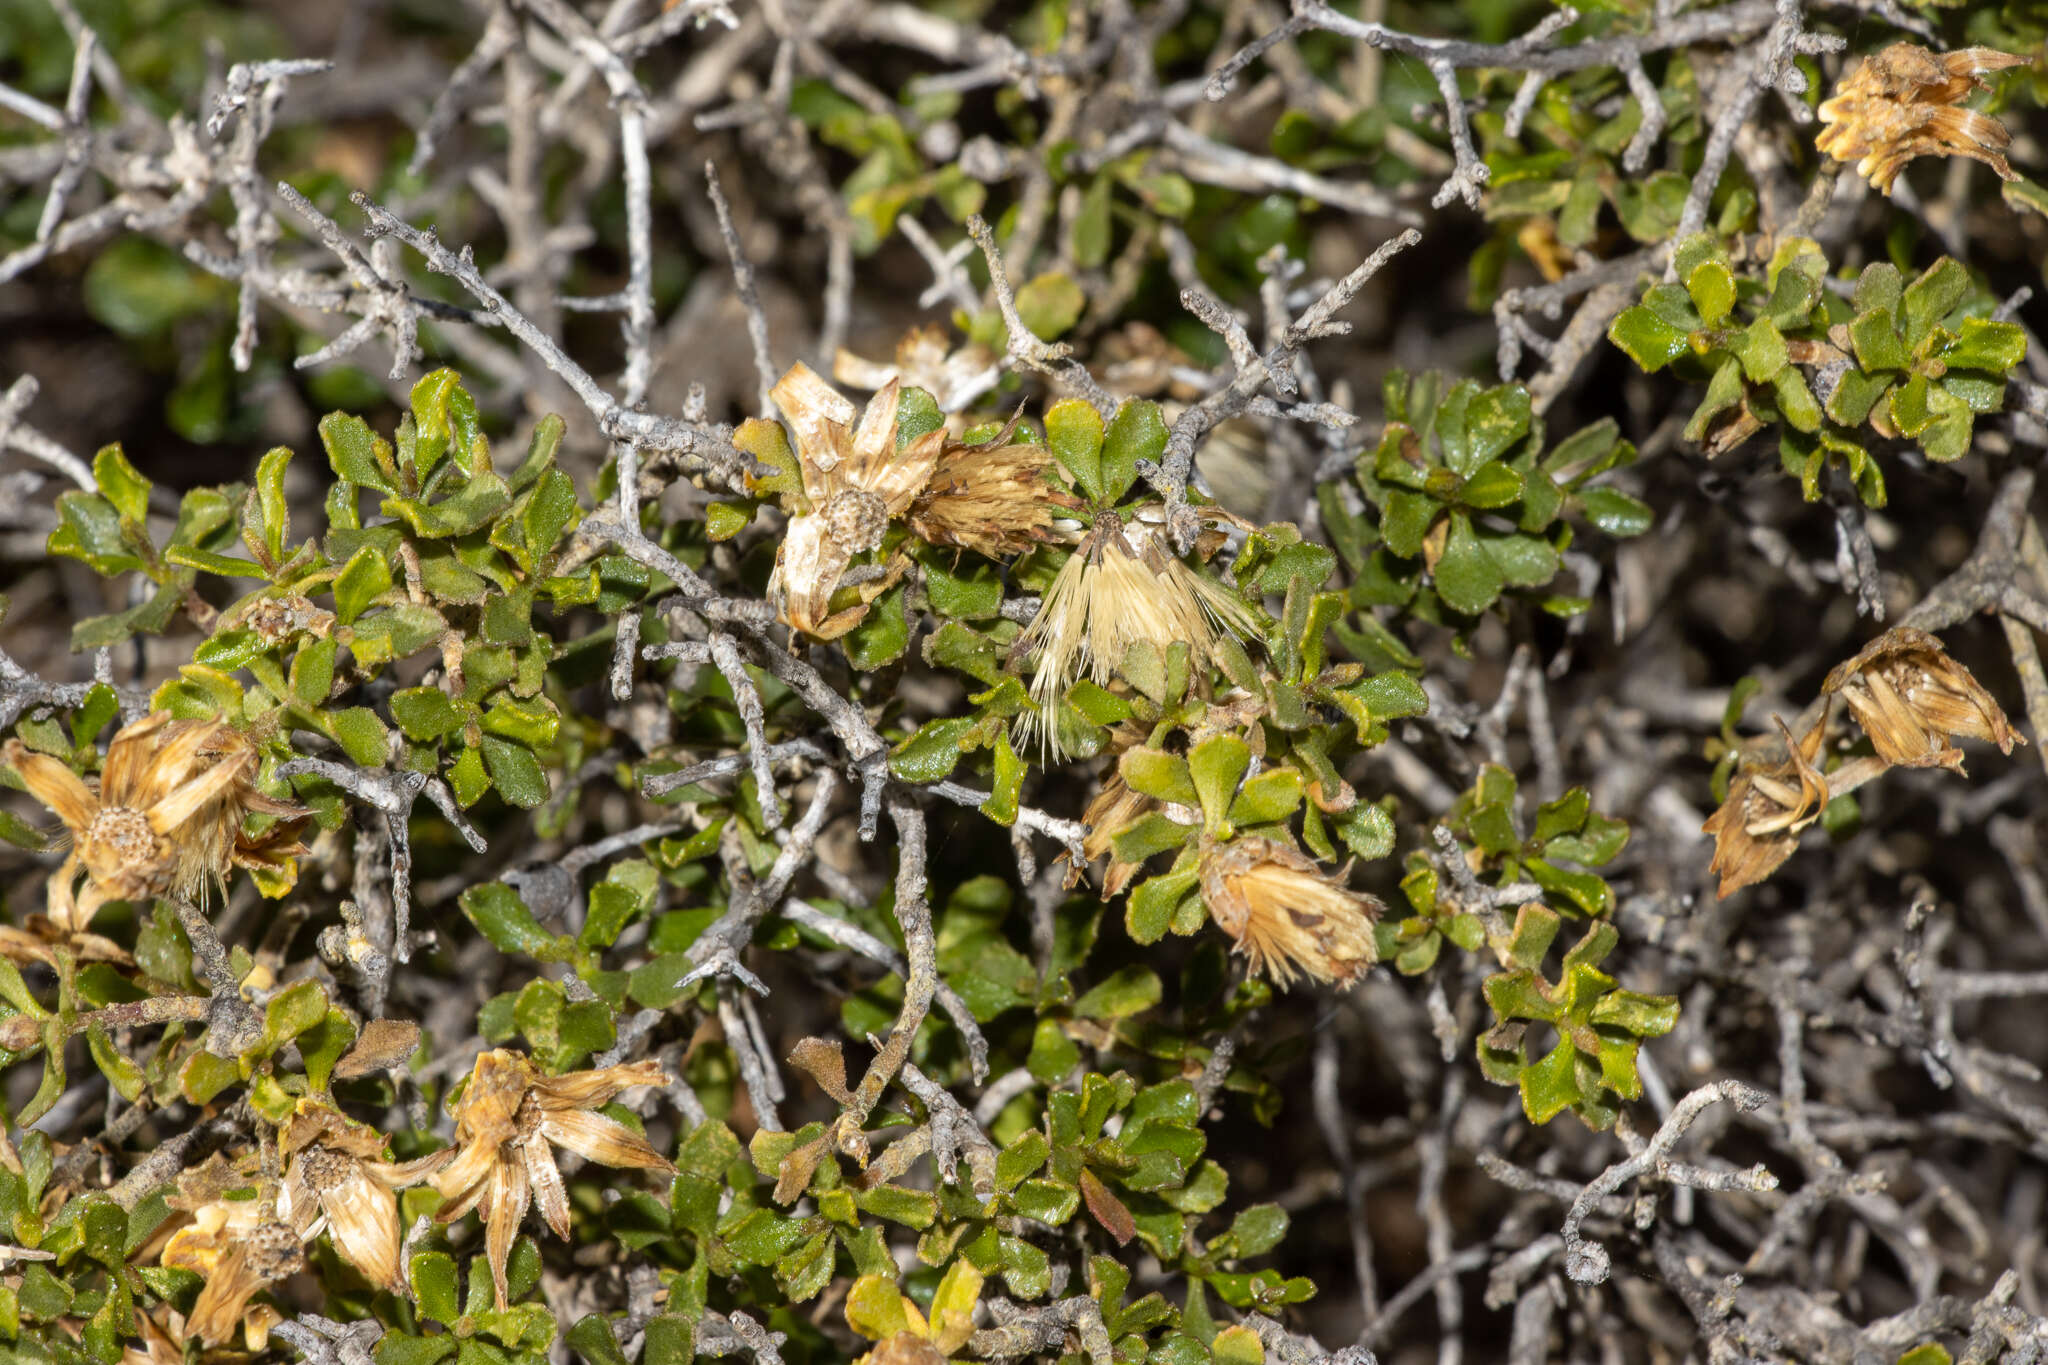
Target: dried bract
(167,818)
(1758,826)
(1121,587)
(504,1125)
(1901,103)
(1287,914)
(1911,698)
(856,482)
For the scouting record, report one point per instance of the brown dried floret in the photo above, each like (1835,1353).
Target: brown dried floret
(167,818)
(504,1125)
(856,482)
(1287,914)
(1758,826)
(1912,698)
(1901,103)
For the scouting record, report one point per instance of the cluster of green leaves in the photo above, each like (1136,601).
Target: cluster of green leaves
(457,561)
(1892,360)
(1123,1159)
(77,1302)
(1598,1026)
(1564,172)
(1463,502)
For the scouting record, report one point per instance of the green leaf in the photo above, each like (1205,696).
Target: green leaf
(1647,339)
(1215,767)
(1492,485)
(432,1275)
(1074,432)
(1712,288)
(882,635)
(1874,336)
(498,912)
(515,772)
(1615,512)
(1050,304)
(1550,1087)
(1931,298)
(356,454)
(1405,521)
(292,1011)
(1259,1229)
(1159,775)
(1762,351)
(1137,433)
(1156,903)
(360,734)
(1982,344)
(1132,990)
(1269,798)
(426,714)
(124,489)
(361,581)
(470,509)
(1467,578)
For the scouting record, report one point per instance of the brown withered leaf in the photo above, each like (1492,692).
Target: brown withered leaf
(383,1044)
(1107,1209)
(793,1176)
(825,1063)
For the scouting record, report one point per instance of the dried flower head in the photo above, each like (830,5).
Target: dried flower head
(1287,914)
(996,498)
(504,1123)
(239,1246)
(1121,587)
(856,482)
(1901,103)
(338,1181)
(1758,826)
(1911,698)
(167,818)
(953,376)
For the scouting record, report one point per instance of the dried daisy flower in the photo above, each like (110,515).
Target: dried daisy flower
(1911,698)
(338,1181)
(1287,914)
(1901,103)
(1122,586)
(856,482)
(504,1123)
(167,818)
(996,498)
(1758,826)
(953,376)
(237,1244)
